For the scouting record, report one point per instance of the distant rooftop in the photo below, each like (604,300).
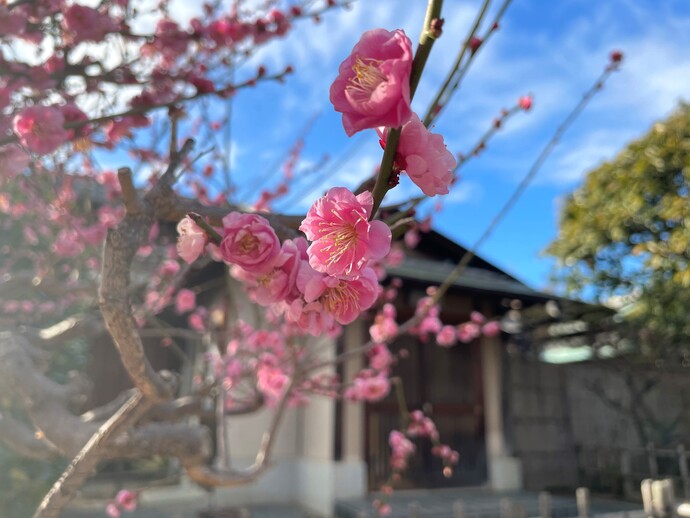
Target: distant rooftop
(434,271)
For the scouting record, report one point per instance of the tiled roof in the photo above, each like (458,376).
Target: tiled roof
(433,271)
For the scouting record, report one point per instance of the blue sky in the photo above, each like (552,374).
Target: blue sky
(552,49)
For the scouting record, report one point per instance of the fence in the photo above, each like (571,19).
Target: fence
(621,470)
(519,505)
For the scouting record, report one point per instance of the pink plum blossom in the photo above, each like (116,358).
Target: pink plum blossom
(412,238)
(11,21)
(368,388)
(342,298)
(73,114)
(446,454)
(446,337)
(402,448)
(68,243)
(271,382)
(121,127)
(380,357)
(169,42)
(13,161)
(40,128)
(344,240)
(421,426)
(127,500)
(310,317)
(385,326)
(428,313)
(112,510)
(185,301)
(468,332)
(278,285)
(525,102)
(477,317)
(250,242)
(492,328)
(83,23)
(191,240)
(373,84)
(424,157)
(197,319)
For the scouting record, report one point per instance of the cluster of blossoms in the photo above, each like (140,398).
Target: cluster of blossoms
(421,426)
(39,101)
(258,355)
(125,500)
(369,385)
(372,90)
(430,324)
(316,286)
(402,450)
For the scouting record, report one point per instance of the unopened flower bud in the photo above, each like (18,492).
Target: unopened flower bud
(474,43)
(436,28)
(616,56)
(525,102)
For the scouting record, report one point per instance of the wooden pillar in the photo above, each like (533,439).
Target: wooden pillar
(353,413)
(505,472)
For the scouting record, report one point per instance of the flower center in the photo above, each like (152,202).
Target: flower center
(339,298)
(248,243)
(366,79)
(341,236)
(265,280)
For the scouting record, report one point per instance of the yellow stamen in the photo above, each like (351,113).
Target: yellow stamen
(340,298)
(248,243)
(366,79)
(342,236)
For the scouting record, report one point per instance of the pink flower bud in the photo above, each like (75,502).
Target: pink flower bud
(525,102)
(616,56)
(127,500)
(474,43)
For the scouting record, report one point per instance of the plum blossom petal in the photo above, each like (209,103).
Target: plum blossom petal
(344,240)
(191,240)
(40,128)
(373,84)
(250,242)
(424,157)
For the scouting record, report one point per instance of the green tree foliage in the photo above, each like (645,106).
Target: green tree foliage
(626,232)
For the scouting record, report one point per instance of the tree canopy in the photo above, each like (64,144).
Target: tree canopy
(625,237)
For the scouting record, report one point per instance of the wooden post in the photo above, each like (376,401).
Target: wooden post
(663,499)
(582,498)
(683,468)
(544,504)
(626,472)
(651,459)
(670,504)
(414,510)
(519,510)
(646,490)
(506,508)
(458,509)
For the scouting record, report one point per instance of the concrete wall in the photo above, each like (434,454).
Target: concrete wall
(539,424)
(561,427)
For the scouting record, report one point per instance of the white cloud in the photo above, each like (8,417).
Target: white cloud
(466,191)
(571,164)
